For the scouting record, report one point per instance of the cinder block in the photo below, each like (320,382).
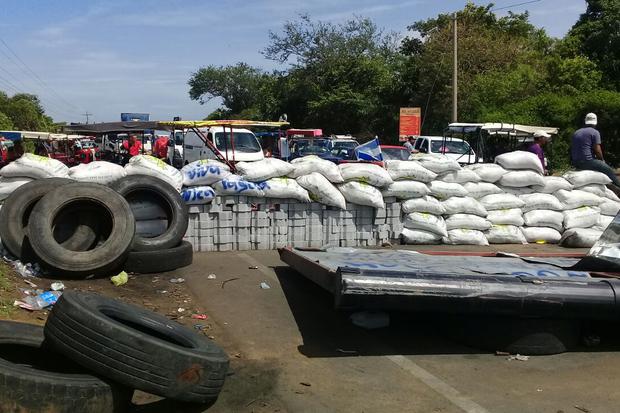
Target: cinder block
(243,222)
(206,233)
(226,224)
(225,216)
(194,209)
(224,239)
(244,246)
(224,247)
(241,208)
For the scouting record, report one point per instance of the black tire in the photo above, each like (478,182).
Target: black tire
(535,336)
(147,262)
(115,228)
(136,347)
(34,379)
(144,188)
(15,214)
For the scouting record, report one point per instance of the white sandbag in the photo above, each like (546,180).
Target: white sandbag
(541,235)
(517,191)
(518,179)
(520,160)
(426,222)
(596,189)
(321,190)
(584,217)
(361,193)
(462,236)
(264,169)
(488,172)
(204,172)
(197,195)
(610,208)
(512,216)
(100,172)
(479,189)
(555,183)
(312,163)
(540,201)
(437,163)
(8,185)
(582,178)
(611,195)
(501,201)
(34,166)
(151,228)
(406,190)
(544,218)
(284,188)
(149,165)
(460,177)
(368,173)
(603,222)
(426,204)
(233,185)
(467,221)
(464,205)
(444,190)
(580,237)
(409,170)
(577,198)
(419,237)
(505,234)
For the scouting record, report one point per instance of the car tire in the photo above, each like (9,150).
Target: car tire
(115,229)
(143,188)
(526,336)
(15,214)
(136,347)
(33,379)
(148,262)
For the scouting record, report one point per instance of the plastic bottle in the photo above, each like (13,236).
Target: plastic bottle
(43,300)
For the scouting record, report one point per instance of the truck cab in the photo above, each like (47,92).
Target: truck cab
(453,148)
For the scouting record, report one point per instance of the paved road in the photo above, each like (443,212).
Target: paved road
(291,352)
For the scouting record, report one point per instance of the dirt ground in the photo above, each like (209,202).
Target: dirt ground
(291,351)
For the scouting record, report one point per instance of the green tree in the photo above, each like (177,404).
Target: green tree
(5,122)
(597,35)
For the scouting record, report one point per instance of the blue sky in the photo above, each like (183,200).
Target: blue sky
(108,57)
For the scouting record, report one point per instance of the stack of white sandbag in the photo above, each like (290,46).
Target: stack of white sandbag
(27,168)
(318,178)
(100,172)
(199,178)
(155,167)
(363,183)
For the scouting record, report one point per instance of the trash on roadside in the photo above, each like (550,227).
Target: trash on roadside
(518,357)
(200,316)
(264,286)
(177,280)
(181,310)
(57,286)
(199,327)
(26,270)
(119,279)
(303,383)
(30,283)
(370,319)
(253,267)
(211,277)
(38,301)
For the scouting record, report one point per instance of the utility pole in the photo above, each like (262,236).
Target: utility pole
(87,116)
(455,90)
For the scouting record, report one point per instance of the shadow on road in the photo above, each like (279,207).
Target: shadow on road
(327,332)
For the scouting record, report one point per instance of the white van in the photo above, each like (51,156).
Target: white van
(189,147)
(453,148)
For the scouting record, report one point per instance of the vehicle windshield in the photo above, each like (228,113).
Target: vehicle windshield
(447,146)
(395,154)
(178,138)
(311,147)
(345,145)
(243,142)
(87,144)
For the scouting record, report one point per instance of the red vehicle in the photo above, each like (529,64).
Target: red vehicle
(7,151)
(68,149)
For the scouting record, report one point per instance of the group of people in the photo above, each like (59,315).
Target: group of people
(160,149)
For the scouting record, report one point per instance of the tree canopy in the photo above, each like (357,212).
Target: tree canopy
(353,77)
(23,111)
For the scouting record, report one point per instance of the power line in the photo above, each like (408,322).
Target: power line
(515,5)
(88,115)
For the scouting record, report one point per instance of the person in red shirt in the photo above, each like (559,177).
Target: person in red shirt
(160,150)
(132,146)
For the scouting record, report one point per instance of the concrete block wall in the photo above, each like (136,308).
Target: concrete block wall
(248,223)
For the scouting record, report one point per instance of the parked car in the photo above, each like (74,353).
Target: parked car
(453,148)
(321,147)
(394,153)
(244,145)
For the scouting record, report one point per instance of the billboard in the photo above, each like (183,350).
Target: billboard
(409,123)
(133,117)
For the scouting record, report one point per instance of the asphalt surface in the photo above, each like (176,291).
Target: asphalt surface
(292,352)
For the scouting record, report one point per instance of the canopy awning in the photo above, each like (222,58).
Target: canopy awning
(510,129)
(107,127)
(186,124)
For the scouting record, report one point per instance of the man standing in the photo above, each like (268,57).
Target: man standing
(160,150)
(132,146)
(586,151)
(536,147)
(409,144)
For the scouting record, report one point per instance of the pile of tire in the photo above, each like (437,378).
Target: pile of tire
(94,351)
(76,229)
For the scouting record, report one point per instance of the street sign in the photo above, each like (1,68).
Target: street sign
(409,123)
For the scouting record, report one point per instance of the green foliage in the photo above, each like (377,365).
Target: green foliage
(5,122)
(23,112)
